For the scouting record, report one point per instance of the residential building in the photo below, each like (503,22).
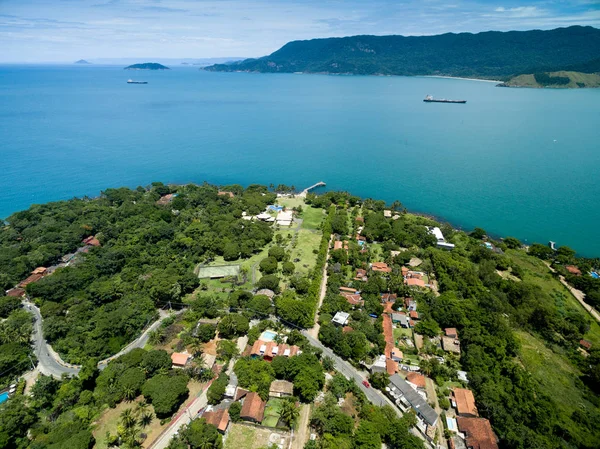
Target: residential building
(218,418)
(397,355)
(92,241)
(451,332)
(573,270)
(253,408)
(387,213)
(381,267)
(400,319)
(379,365)
(464,402)
(586,344)
(225,193)
(270,349)
(338,244)
(391,367)
(389,297)
(285,218)
(403,393)
(340,318)
(165,199)
(478,433)
(413,314)
(414,282)
(16,292)
(179,359)
(451,345)
(418,380)
(354,299)
(361,275)
(410,304)
(348,290)
(281,388)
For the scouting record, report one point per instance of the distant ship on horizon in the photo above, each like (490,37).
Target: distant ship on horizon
(136,82)
(430,99)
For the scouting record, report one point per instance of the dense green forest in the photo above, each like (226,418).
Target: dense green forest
(148,252)
(499,55)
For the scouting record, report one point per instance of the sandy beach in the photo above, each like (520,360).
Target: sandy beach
(459,78)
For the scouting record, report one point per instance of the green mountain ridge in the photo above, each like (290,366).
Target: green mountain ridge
(490,54)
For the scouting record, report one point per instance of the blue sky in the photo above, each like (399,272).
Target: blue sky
(67,30)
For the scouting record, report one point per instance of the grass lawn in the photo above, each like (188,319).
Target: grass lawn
(537,272)
(306,242)
(240,436)
(312,217)
(400,332)
(272,412)
(290,202)
(556,376)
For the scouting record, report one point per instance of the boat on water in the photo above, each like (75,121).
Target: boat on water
(136,82)
(430,99)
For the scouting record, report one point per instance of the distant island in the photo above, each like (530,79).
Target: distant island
(147,66)
(82,61)
(488,55)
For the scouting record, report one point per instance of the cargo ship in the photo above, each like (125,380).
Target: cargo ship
(430,99)
(136,82)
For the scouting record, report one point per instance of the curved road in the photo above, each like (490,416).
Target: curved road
(50,363)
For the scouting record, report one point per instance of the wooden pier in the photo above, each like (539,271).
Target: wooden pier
(308,189)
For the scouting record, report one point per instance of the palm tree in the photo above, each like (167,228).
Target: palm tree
(146,419)
(289,411)
(129,393)
(128,420)
(155,337)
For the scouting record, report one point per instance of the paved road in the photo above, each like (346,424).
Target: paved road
(373,395)
(50,363)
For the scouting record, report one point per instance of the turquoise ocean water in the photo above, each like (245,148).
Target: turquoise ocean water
(518,162)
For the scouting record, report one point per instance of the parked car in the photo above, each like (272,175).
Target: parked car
(366,384)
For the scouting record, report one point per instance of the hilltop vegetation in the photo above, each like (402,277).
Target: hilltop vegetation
(490,54)
(561,79)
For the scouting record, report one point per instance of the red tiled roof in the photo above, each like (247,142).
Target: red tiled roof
(573,270)
(30,279)
(361,219)
(353,299)
(381,266)
(39,270)
(414,282)
(218,418)
(389,297)
(230,194)
(391,367)
(338,244)
(348,289)
(414,314)
(253,408)
(417,379)
(240,393)
(465,402)
(179,358)
(451,332)
(586,344)
(166,199)
(346,329)
(15,292)
(479,433)
(360,272)
(405,271)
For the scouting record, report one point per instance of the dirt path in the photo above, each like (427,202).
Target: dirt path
(303,431)
(432,397)
(578,294)
(314,331)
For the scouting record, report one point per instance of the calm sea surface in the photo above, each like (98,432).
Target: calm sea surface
(518,162)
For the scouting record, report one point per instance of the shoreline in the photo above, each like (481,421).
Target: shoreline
(461,78)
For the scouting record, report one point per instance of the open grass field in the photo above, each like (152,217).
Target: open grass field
(241,436)
(312,217)
(306,242)
(556,376)
(537,272)
(109,420)
(290,202)
(272,412)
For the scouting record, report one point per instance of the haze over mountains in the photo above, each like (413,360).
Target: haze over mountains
(491,54)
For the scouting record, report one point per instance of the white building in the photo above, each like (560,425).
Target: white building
(341,318)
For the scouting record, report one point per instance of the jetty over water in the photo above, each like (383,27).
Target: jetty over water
(308,189)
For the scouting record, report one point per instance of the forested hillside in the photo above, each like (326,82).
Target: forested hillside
(146,257)
(492,54)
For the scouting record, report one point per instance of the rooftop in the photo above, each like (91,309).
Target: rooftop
(478,432)
(179,358)
(465,402)
(341,318)
(253,407)
(218,418)
(282,387)
(419,404)
(416,379)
